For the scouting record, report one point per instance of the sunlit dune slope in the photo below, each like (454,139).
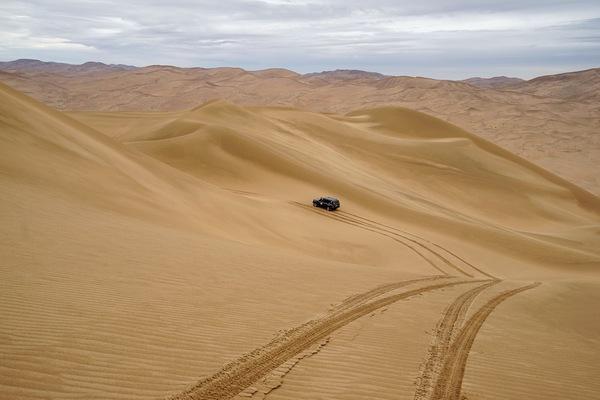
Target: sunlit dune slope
(551,120)
(143,251)
(392,163)
(123,278)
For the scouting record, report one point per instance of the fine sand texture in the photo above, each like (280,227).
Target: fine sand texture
(177,255)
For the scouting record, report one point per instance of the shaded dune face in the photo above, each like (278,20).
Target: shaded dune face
(144,253)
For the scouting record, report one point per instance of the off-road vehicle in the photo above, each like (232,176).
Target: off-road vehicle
(328,203)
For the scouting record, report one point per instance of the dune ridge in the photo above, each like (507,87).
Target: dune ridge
(250,148)
(550,120)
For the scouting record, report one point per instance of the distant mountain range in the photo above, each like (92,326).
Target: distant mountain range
(29,65)
(579,86)
(495,82)
(552,120)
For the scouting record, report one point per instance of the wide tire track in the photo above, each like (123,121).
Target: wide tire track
(243,372)
(357,299)
(449,383)
(446,329)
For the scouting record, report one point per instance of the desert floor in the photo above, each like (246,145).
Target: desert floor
(177,255)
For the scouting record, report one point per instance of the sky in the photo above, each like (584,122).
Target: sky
(441,39)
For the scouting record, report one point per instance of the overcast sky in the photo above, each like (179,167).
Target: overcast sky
(451,39)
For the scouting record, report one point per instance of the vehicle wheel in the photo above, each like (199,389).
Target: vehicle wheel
(328,208)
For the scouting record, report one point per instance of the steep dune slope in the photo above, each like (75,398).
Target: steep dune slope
(142,252)
(388,162)
(550,120)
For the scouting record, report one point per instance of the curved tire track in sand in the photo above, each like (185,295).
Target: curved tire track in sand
(388,232)
(462,260)
(377,231)
(401,237)
(360,298)
(236,376)
(446,329)
(449,383)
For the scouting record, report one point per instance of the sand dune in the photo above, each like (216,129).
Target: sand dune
(176,254)
(391,162)
(551,121)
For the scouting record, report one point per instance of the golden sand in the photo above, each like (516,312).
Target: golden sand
(177,254)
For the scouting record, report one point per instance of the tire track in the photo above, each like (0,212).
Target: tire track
(449,383)
(419,248)
(412,248)
(387,232)
(424,240)
(236,376)
(380,290)
(446,329)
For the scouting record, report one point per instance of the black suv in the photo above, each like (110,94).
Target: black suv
(328,203)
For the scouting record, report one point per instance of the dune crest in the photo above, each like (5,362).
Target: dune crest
(550,120)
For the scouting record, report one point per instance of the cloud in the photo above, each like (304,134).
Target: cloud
(439,38)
